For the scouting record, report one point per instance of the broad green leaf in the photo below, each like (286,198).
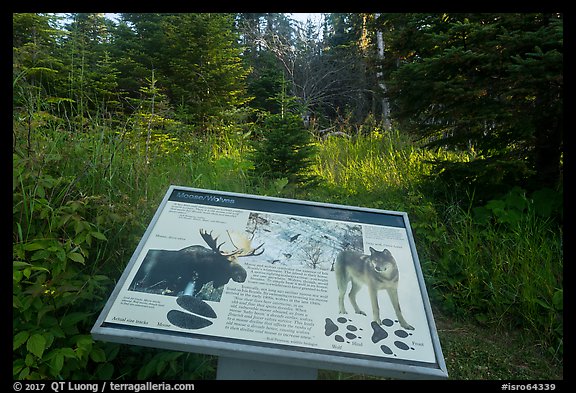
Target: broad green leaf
(17,366)
(24,373)
(57,331)
(61,254)
(73,318)
(98,355)
(496,205)
(57,363)
(558,300)
(36,344)
(80,238)
(40,254)
(98,235)
(29,359)
(19,339)
(84,341)
(546,201)
(33,246)
(146,370)
(105,371)
(76,257)
(68,353)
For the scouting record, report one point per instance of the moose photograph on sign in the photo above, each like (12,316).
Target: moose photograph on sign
(194,270)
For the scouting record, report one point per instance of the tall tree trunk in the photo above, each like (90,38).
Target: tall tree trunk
(149,130)
(385,104)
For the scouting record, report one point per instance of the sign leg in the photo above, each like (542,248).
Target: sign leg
(232,368)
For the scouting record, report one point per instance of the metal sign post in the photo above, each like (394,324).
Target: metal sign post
(277,288)
(231,368)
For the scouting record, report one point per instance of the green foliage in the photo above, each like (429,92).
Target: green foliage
(514,206)
(502,269)
(382,169)
(483,177)
(483,81)
(174,366)
(55,285)
(265,82)
(197,58)
(503,265)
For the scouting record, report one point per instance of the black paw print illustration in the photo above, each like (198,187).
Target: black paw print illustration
(352,332)
(379,333)
(191,321)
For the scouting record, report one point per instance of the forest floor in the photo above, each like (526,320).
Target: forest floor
(474,352)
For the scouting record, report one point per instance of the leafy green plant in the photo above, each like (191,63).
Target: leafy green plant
(55,287)
(503,265)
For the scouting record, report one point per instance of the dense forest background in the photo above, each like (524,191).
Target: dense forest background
(455,118)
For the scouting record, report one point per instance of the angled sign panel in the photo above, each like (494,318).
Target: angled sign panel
(285,281)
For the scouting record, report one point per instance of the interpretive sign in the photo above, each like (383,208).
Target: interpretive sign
(278,280)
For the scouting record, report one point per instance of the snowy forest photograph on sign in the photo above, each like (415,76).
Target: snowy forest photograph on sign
(302,242)
(454,118)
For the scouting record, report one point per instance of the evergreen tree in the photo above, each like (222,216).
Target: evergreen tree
(34,64)
(346,87)
(205,74)
(131,49)
(35,72)
(89,76)
(283,148)
(488,82)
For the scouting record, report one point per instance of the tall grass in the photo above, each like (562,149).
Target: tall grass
(380,169)
(504,274)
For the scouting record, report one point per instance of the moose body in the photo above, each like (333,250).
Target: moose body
(171,271)
(377,271)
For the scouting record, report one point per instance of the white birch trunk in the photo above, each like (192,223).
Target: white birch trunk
(379,76)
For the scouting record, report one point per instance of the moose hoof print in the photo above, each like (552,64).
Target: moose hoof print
(187,321)
(195,305)
(190,321)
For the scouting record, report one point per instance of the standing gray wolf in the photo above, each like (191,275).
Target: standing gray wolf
(377,271)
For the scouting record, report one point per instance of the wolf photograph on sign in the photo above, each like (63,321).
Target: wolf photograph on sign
(335,246)
(195,270)
(376,271)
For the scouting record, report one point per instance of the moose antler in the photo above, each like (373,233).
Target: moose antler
(211,241)
(243,249)
(244,245)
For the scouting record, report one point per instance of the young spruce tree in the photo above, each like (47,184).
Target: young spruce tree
(283,147)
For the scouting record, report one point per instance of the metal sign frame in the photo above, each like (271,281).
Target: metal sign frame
(283,307)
